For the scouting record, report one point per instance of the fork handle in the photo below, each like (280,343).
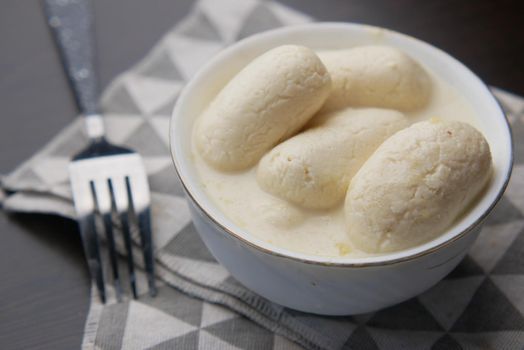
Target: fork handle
(71,24)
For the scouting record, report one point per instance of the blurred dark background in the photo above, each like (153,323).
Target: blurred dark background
(43,280)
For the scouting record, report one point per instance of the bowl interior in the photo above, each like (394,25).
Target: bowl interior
(205,85)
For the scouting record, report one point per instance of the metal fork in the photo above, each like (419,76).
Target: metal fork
(107,181)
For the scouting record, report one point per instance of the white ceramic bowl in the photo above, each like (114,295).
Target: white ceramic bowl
(334,285)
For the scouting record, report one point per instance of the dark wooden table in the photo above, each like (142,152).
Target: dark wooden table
(44,283)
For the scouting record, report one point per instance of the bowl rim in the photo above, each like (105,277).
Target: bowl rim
(380,260)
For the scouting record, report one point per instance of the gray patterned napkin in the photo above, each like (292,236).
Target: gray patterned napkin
(479,305)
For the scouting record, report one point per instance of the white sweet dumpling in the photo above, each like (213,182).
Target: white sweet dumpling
(375,76)
(313,169)
(328,127)
(415,185)
(266,102)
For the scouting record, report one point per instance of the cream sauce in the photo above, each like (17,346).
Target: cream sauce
(306,231)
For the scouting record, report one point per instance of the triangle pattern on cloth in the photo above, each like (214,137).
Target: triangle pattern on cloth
(157,164)
(171,215)
(177,304)
(512,262)
(229,16)
(242,333)
(145,141)
(70,142)
(402,339)
(409,315)
(513,288)
(161,126)
(261,19)
(190,55)
(141,278)
(449,298)
(515,191)
(114,318)
(518,142)
(212,314)
(118,100)
(512,118)
(231,283)
(62,190)
(36,202)
(161,66)
(151,93)
(362,318)
(187,243)
(143,321)
(166,110)
(52,170)
(208,341)
(200,27)
(120,127)
(511,103)
(446,342)
(208,273)
(186,341)
(466,268)
(27,178)
(281,343)
(360,339)
(287,15)
(493,242)
(165,181)
(504,212)
(491,340)
(340,328)
(489,311)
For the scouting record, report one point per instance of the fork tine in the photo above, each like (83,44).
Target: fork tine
(120,201)
(92,252)
(140,207)
(124,218)
(86,223)
(102,197)
(144,225)
(108,225)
